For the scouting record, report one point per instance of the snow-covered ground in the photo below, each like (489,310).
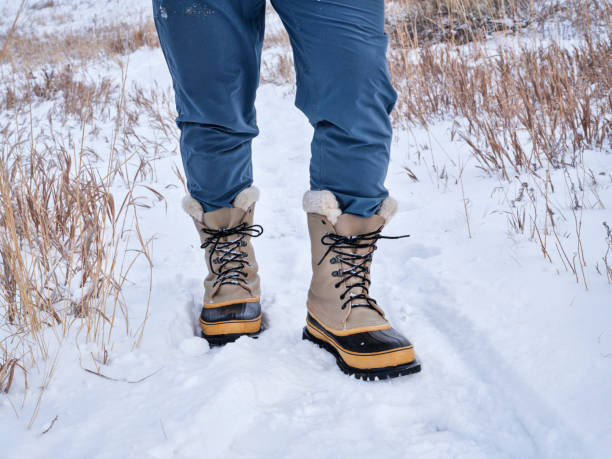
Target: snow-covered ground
(517,356)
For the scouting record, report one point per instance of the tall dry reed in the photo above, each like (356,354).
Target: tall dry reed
(69,236)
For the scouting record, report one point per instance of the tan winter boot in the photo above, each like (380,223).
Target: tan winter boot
(231,290)
(342,317)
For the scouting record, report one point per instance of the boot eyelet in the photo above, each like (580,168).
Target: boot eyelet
(335,273)
(333,260)
(243,243)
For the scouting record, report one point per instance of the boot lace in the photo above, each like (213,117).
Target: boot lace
(343,248)
(228,254)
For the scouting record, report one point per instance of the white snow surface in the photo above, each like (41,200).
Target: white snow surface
(517,356)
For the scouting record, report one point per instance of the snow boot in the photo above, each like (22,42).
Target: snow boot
(342,317)
(231,289)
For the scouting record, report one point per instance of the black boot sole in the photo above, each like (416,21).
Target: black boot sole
(221,340)
(366,375)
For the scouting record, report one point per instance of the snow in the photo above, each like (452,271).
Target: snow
(517,356)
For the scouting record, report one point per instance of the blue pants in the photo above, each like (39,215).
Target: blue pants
(213,50)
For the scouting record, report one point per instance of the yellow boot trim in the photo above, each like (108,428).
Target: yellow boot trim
(230,302)
(367,361)
(230,327)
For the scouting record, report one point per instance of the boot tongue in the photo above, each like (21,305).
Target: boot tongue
(227,217)
(351,225)
(365,317)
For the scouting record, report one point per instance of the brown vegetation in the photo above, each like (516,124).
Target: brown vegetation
(67,242)
(524,108)
(556,98)
(78,45)
(64,237)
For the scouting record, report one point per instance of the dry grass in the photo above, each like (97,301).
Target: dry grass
(67,241)
(456,21)
(8,368)
(523,110)
(78,45)
(277,67)
(154,108)
(64,238)
(66,91)
(63,242)
(278,70)
(425,22)
(43,4)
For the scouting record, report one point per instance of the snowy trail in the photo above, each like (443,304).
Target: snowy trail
(279,396)
(515,355)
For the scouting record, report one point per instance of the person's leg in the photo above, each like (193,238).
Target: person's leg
(344,88)
(213,51)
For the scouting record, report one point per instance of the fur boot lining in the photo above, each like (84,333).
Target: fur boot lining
(322,202)
(246,198)
(193,208)
(387,209)
(325,203)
